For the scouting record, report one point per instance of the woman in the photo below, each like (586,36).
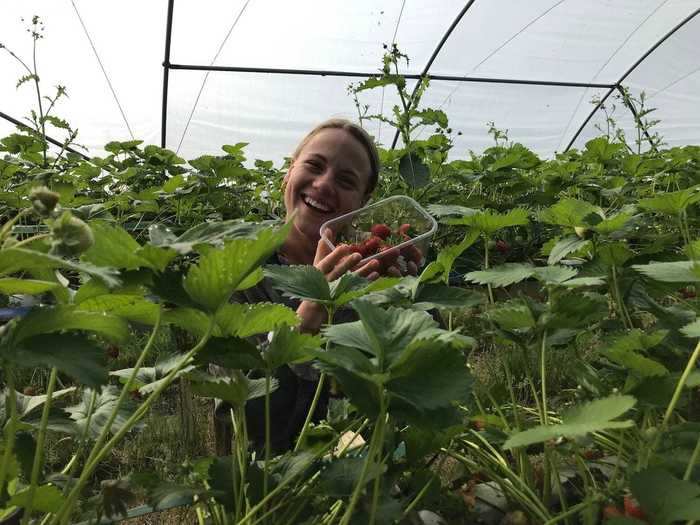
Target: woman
(333,171)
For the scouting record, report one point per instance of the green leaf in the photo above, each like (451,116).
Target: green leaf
(300,282)
(290,346)
(76,356)
(601,149)
(132,307)
(220,272)
(46,320)
(339,478)
(244,320)
(155,257)
(591,417)
(615,254)
(189,319)
(554,274)
(235,390)
(232,353)
(449,254)
(490,221)
(207,233)
(149,379)
(504,275)
(27,404)
(666,498)
(442,210)
(14,260)
(692,329)
(10,286)
(512,316)
(431,296)
(113,247)
(615,223)
(580,282)
(433,377)
(672,203)
(572,213)
(414,171)
(47,498)
(564,247)
(624,351)
(671,272)
(105,403)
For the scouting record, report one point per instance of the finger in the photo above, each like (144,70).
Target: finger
(373,276)
(322,248)
(412,268)
(343,266)
(393,271)
(367,268)
(331,260)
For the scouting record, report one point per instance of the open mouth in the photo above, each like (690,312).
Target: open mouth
(316,205)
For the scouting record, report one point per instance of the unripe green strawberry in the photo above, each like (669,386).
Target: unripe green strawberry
(44,200)
(72,236)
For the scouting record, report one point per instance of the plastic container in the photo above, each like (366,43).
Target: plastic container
(402,245)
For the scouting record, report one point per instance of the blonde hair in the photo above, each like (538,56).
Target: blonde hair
(359,134)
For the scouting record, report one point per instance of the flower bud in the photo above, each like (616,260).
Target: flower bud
(72,236)
(43,200)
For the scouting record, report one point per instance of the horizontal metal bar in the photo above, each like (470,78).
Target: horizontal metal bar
(49,139)
(360,74)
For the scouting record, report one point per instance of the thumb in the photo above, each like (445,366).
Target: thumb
(322,248)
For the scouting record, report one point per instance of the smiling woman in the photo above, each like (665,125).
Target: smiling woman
(334,170)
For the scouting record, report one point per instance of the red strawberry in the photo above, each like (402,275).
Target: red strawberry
(502,247)
(632,508)
(381,230)
(357,248)
(411,253)
(611,511)
(372,245)
(389,256)
(687,293)
(405,230)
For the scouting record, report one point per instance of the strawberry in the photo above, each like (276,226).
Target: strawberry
(611,511)
(389,256)
(29,390)
(113,351)
(405,230)
(632,508)
(380,230)
(372,245)
(358,248)
(687,293)
(502,247)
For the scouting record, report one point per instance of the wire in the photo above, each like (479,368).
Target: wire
(605,64)
(510,39)
(658,92)
(104,72)
(393,41)
(206,76)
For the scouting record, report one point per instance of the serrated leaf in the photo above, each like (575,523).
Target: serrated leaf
(615,223)
(490,221)
(442,210)
(10,286)
(580,282)
(615,254)
(235,390)
(105,403)
(591,417)
(624,350)
(155,257)
(554,274)
(189,319)
(449,254)
(340,477)
(244,320)
(220,272)
(431,296)
(76,356)
(150,378)
(414,171)
(512,316)
(564,247)
(671,272)
(113,247)
(300,282)
(571,213)
(132,307)
(27,404)
(290,346)
(14,260)
(231,353)
(47,498)
(46,320)
(504,275)
(209,233)
(672,203)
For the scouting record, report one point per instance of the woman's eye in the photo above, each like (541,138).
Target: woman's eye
(313,165)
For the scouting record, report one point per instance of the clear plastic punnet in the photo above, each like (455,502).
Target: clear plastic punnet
(396,230)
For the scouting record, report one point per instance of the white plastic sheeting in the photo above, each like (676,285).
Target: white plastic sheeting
(595,41)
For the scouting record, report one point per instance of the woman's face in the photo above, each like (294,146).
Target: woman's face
(328,178)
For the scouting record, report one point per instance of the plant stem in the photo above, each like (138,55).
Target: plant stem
(486,267)
(543,377)
(11,401)
(693,460)
(39,454)
(371,453)
(31,239)
(267,432)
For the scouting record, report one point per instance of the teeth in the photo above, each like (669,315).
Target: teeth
(316,204)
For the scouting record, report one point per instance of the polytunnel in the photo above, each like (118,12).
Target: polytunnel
(194,75)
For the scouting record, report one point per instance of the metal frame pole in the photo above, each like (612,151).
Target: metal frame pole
(49,139)
(166,74)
